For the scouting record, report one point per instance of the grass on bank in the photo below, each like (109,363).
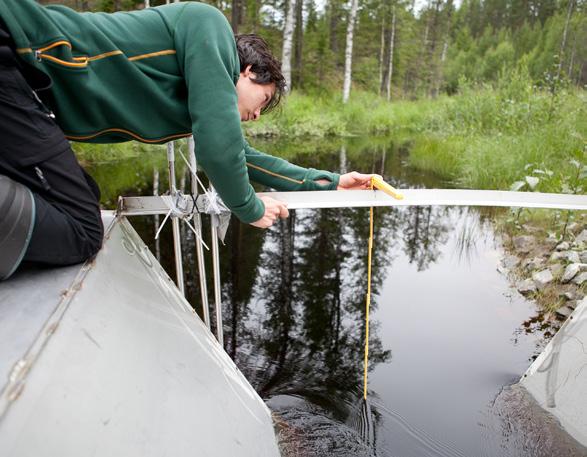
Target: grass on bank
(322,114)
(485,137)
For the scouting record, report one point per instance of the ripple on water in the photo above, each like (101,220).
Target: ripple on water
(526,429)
(304,429)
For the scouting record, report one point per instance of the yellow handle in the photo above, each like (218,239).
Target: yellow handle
(380,184)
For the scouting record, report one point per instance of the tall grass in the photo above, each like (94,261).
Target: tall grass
(324,115)
(485,137)
(490,138)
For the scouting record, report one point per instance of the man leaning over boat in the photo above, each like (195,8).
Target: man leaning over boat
(153,76)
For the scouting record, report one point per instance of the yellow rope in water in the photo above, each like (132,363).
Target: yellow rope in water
(368,300)
(378,183)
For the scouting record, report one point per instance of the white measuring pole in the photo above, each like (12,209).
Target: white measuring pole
(216,270)
(175,220)
(428,197)
(157,222)
(198,227)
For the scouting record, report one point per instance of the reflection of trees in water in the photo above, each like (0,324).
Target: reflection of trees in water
(305,334)
(312,282)
(425,230)
(238,272)
(309,275)
(472,227)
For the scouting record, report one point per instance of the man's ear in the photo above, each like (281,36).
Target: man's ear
(247,72)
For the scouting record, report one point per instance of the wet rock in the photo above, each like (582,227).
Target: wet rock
(526,286)
(564,311)
(581,237)
(533,264)
(557,270)
(581,278)
(558,256)
(573,257)
(569,295)
(524,243)
(564,246)
(542,278)
(571,271)
(510,261)
(551,242)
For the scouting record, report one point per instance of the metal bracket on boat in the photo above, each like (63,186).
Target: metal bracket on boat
(211,203)
(182,205)
(151,205)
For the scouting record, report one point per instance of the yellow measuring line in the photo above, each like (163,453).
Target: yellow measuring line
(376,183)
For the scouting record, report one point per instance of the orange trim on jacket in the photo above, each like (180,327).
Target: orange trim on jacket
(82,61)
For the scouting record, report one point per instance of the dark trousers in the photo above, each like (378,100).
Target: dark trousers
(34,151)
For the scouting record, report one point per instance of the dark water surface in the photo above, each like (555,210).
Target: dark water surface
(449,337)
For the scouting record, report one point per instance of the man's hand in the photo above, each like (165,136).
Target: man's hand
(273,210)
(354,181)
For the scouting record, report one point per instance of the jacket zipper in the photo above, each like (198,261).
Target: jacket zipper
(43,180)
(46,110)
(40,54)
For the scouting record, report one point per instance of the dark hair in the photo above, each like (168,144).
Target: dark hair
(254,51)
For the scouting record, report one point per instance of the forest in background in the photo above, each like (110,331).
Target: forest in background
(487,93)
(408,49)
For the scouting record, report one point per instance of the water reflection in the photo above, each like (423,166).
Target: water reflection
(306,340)
(293,302)
(426,229)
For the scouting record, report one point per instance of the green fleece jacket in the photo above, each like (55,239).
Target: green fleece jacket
(153,75)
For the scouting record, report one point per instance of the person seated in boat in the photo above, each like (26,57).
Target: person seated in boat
(154,76)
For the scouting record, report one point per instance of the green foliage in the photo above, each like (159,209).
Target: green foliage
(435,45)
(88,152)
(486,137)
(323,115)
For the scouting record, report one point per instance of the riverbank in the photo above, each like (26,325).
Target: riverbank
(483,138)
(546,259)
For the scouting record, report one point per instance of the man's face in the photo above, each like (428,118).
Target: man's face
(252,97)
